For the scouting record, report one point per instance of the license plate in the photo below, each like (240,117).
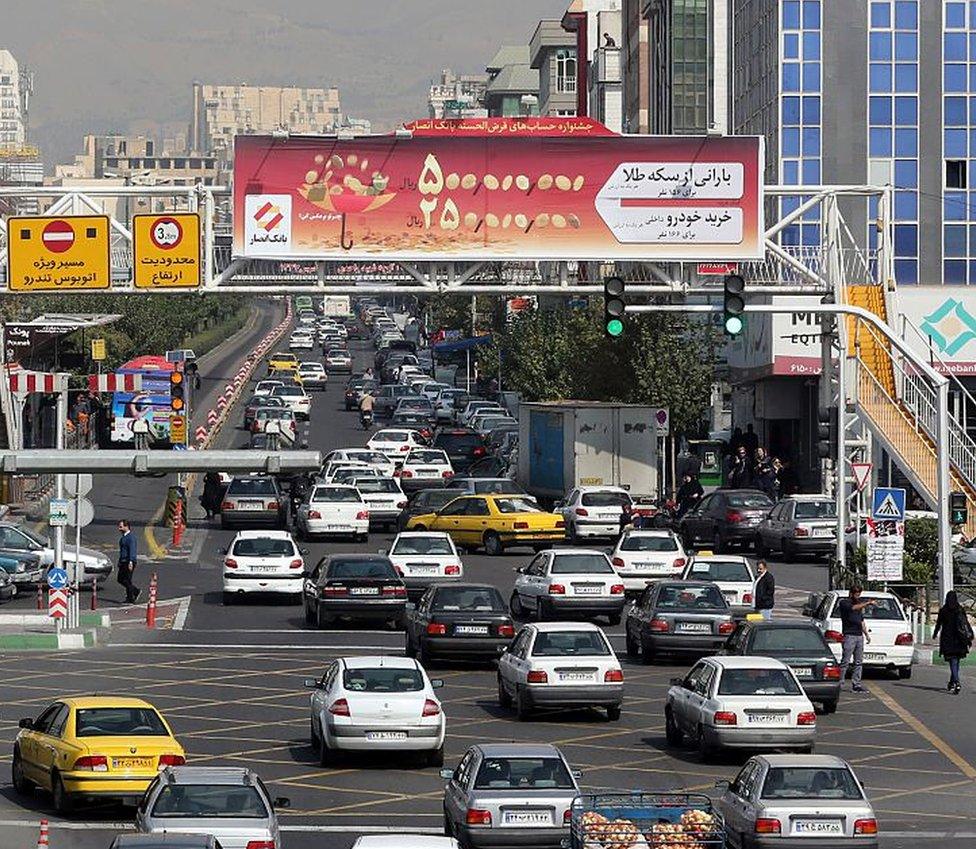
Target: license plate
(251,505)
(874,656)
(264,569)
(422,568)
(823,532)
(132,763)
(530,818)
(425,473)
(803,671)
(767,718)
(587,589)
(575,676)
(364,591)
(471,629)
(817,827)
(694,627)
(386,735)
(730,595)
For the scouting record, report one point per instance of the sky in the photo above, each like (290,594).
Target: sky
(103,65)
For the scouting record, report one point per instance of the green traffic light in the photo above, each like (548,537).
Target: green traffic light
(615,327)
(733,325)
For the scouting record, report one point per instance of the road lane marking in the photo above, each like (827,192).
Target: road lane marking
(919,790)
(923,730)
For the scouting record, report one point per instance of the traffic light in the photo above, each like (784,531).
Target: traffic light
(826,432)
(958,509)
(734,304)
(177,386)
(613,306)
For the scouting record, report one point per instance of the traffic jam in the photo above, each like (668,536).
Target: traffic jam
(415,524)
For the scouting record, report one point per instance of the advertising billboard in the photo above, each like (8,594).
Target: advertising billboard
(444,197)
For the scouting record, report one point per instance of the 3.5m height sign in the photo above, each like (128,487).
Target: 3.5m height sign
(498,195)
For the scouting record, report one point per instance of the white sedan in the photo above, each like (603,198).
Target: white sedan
(424,558)
(334,509)
(394,443)
(732,574)
(296,399)
(593,511)
(301,342)
(266,387)
(560,664)
(425,468)
(384,704)
(262,562)
(338,359)
(740,703)
(644,556)
(376,459)
(383,497)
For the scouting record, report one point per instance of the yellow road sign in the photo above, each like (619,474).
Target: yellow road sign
(98,349)
(166,251)
(65,253)
(177,430)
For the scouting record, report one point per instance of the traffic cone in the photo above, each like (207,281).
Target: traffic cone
(178,523)
(94,594)
(42,840)
(151,606)
(40,597)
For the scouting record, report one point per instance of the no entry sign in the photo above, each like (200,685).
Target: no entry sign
(58,236)
(58,253)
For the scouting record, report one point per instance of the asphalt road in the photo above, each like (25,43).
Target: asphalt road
(230,681)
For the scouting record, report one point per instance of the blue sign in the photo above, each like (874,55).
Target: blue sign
(889,503)
(57,579)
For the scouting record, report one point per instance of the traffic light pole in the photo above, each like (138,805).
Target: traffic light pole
(938,381)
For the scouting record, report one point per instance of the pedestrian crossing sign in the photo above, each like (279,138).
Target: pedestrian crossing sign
(889,503)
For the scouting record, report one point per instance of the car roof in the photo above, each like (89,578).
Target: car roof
(561,552)
(551,627)
(334,486)
(803,760)
(265,534)
(688,583)
(722,558)
(649,532)
(774,624)
(210,775)
(99,701)
(422,534)
(867,594)
(404,841)
(733,661)
(167,840)
(377,661)
(808,497)
(602,489)
(517,750)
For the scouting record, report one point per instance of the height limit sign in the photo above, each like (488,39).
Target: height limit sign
(166,251)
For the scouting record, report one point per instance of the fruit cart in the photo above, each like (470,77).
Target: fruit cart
(638,820)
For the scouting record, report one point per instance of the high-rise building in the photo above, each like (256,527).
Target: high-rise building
(636,75)
(15,89)
(458,95)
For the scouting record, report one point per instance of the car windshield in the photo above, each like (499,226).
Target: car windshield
(800,640)
(437,498)
(605,499)
(720,570)
(516,505)
(691,598)
(273,413)
(335,493)
(380,679)
(810,783)
(569,644)
(523,774)
(119,722)
(251,486)
(199,801)
(291,391)
(422,545)
(450,599)
(750,501)
(458,441)
(643,542)
(376,484)
(501,486)
(426,457)
(21,538)
(815,510)
(263,547)
(588,564)
(757,682)
(350,569)
(364,456)
(883,608)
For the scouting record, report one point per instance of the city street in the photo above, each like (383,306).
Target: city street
(229,680)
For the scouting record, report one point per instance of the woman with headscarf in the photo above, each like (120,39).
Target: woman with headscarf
(955,637)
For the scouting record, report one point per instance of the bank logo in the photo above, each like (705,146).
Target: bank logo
(267,224)
(951,326)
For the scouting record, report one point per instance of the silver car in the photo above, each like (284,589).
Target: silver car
(797,525)
(230,803)
(165,841)
(510,794)
(797,800)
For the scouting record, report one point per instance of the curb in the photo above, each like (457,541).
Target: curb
(84,639)
(929,656)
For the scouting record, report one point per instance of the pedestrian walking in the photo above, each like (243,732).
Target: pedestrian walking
(955,637)
(854,632)
(689,494)
(740,475)
(765,590)
(127,562)
(213,493)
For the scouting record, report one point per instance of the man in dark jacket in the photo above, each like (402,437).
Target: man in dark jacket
(740,474)
(765,590)
(689,494)
(127,562)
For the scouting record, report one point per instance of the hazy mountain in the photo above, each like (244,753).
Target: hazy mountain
(102,65)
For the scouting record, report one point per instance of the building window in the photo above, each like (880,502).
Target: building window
(955,173)
(566,70)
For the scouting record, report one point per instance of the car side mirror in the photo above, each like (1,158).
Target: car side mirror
(519,570)
(26,723)
(281,802)
(384,551)
(721,785)
(677,682)
(221,551)
(577,774)
(311,683)
(446,774)
(437,683)
(303,551)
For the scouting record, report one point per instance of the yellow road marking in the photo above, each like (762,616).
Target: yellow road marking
(156,550)
(923,730)
(917,790)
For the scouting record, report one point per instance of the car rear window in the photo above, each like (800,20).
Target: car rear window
(458,441)
(691,598)
(427,457)
(382,680)
(589,564)
(281,391)
(815,510)
(605,499)
(502,487)
(376,484)
(119,722)
(569,644)
(391,436)
(639,542)
(220,801)
(437,498)
(483,599)
(373,457)
(251,486)
(263,547)
(523,774)
(516,505)
(335,493)
(810,783)
(757,682)
(883,608)
(751,501)
(788,641)
(422,545)
(378,568)
(719,570)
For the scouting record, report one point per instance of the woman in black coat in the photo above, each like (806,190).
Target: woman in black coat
(955,637)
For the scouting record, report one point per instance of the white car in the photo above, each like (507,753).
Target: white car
(464,416)
(404,841)
(334,509)
(313,376)
(432,389)
(296,399)
(285,424)
(644,556)
(732,574)
(891,645)
(262,562)
(345,474)
(423,558)
(593,511)
(301,342)
(424,468)
(394,443)
(332,466)
(408,374)
(568,581)
(377,704)
(267,387)
(17,539)
(740,703)
(376,459)
(338,359)
(383,497)
(560,664)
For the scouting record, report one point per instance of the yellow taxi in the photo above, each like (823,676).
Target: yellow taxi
(283,362)
(93,747)
(494,522)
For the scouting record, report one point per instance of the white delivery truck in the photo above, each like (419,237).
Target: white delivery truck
(336,306)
